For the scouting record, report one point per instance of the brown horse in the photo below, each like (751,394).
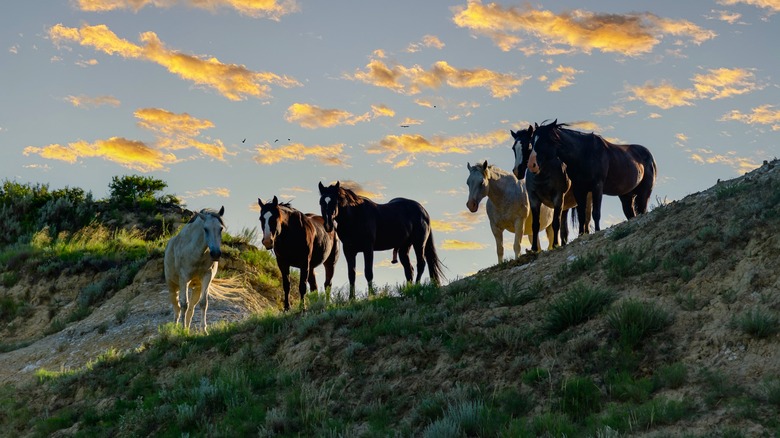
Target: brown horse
(596,166)
(365,226)
(298,240)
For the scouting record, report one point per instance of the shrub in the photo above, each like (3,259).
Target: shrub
(758,323)
(579,397)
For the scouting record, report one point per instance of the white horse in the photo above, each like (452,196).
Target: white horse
(507,205)
(191,261)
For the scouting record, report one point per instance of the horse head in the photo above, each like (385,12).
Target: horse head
(522,150)
(477,183)
(544,144)
(212,227)
(329,204)
(270,221)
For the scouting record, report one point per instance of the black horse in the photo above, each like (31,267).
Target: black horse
(596,166)
(550,187)
(298,240)
(365,226)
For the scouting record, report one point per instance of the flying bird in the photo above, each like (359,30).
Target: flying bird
(404,126)
(243,141)
(276,140)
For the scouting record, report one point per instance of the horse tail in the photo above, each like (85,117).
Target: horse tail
(435,266)
(234,290)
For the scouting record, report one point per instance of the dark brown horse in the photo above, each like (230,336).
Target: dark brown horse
(298,240)
(365,226)
(596,166)
(550,187)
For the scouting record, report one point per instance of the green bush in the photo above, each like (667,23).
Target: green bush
(758,323)
(576,306)
(633,321)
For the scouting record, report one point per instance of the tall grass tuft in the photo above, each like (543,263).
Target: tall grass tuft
(758,323)
(634,321)
(576,306)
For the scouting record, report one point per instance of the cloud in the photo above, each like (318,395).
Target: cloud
(382,111)
(573,31)
(132,154)
(762,115)
(400,150)
(566,78)
(179,131)
(772,5)
(460,245)
(330,155)
(312,117)
(14,50)
(410,121)
(740,164)
(84,63)
(412,80)
(233,81)
(427,41)
(373,194)
(253,8)
(83,101)
(717,84)
(727,16)
(457,222)
(221,192)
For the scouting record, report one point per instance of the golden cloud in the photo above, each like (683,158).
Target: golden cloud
(740,164)
(573,31)
(253,8)
(382,111)
(460,245)
(312,117)
(412,80)
(83,101)
(716,84)
(566,78)
(132,154)
(178,131)
(427,41)
(233,81)
(330,155)
(457,222)
(762,115)
(410,145)
(222,192)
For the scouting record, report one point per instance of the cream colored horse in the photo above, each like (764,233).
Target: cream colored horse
(191,261)
(507,205)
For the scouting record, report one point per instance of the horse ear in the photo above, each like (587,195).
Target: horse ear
(338,184)
(530,128)
(514,134)
(555,122)
(260,202)
(468,166)
(485,164)
(536,125)
(275,201)
(322,187)
(222,211)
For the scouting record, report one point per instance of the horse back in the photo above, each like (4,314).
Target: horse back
(400,221)
(628,166)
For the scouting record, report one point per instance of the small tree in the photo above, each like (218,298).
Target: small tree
(129,190)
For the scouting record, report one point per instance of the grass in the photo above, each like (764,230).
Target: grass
(579,304)
(633,321)
(758,323)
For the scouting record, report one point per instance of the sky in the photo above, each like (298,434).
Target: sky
(230,100)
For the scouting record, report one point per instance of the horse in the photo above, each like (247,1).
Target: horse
(365,226)
(507,205)
(552,188)
(598,167)
(298,240)
(191,262)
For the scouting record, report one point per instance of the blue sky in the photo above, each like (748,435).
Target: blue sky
(392,97)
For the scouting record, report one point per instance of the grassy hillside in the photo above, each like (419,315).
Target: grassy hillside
(665,325)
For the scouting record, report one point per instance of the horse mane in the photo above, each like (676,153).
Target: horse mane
(210,212)
(349,198)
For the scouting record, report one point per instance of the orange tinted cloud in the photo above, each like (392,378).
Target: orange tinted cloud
(254,8)
(457,222)
(401,149)
(412,80)
(132,154)
(330,155)
(740,164)
(233,81)
(382,111)
(427,41)
(762,115)
(566,78)
(460,245)
(573,31)
(716,84)
(179,131)
(83,101)
(312,116)
(222,192)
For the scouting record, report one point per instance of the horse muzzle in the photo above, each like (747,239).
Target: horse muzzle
(215,255)
(268,243)
(472,205)
(518,173)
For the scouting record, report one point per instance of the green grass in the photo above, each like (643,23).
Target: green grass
(581,265)
(758,323)
(579,304)
(633,321)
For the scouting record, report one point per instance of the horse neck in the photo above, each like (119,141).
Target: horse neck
(501,185)
(571,147)
(194,235)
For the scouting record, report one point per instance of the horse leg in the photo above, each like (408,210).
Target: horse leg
(173,290)
(498,234)
(582,198)
(305,275)
(284,269)
(627,201)
(419,254)
(535,225)
(205,284)
(643,192)
(368,265)
(395,256)
(597,196)
(193,286)
(556,223)
(564,227)
(403,254)
(350,256)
